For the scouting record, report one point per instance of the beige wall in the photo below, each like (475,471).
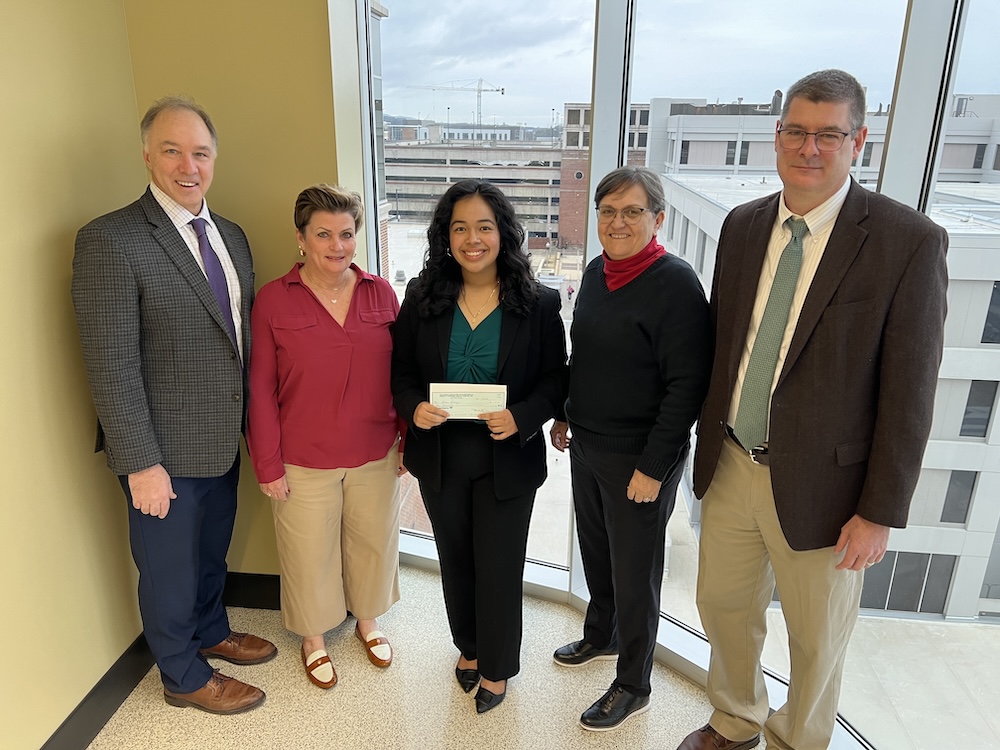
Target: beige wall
(263,71)
(83,72)
(70,153)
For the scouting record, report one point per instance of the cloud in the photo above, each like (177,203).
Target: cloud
(541,52)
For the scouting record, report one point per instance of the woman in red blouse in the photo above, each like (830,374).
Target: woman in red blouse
(323,433)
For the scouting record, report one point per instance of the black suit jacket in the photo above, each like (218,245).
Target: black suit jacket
(851,411)
(165,376)
(532,364)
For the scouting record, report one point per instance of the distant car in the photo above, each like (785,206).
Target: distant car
(400,276)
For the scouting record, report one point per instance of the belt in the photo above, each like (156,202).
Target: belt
(758,455)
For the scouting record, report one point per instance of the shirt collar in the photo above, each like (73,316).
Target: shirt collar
(822,217)
(295,276)
(177,214)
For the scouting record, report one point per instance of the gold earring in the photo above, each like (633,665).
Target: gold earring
(301,251)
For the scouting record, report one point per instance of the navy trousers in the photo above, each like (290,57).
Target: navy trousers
(621,543)
(182,571)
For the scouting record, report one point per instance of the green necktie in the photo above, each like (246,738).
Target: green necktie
(751,417)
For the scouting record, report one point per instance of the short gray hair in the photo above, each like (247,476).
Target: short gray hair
(625,177)
(173,104)
(833,86)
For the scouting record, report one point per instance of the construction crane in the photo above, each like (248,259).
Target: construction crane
(474,84)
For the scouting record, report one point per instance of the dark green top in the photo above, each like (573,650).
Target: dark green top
(473,354)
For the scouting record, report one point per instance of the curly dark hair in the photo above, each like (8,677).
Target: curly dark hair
(437,286)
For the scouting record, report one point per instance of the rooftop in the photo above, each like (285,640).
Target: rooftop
(959,207)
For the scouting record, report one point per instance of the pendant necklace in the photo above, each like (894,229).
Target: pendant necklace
(475,315)
(337,289)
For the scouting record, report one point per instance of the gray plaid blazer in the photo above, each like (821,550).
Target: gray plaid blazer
(166,379)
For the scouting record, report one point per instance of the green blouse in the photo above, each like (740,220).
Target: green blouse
(473,354)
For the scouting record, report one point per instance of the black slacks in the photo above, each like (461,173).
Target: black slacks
(481,542)
(621,542)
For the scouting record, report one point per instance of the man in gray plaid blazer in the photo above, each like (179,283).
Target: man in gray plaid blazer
(162,290)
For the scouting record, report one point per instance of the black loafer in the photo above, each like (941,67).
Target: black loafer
(578,653)
(485,700)
(612,710)
(467,678)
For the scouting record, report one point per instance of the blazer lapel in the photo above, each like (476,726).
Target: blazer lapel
(841,250)
(758,236)
(166,234)
(509,324)
(443,324)
(238,251)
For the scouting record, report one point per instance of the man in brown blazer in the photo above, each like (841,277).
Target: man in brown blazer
(828,302)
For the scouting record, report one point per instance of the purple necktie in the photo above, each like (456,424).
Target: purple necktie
(216,276)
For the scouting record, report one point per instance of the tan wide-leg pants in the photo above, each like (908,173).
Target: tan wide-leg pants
(743,554)
(338,544)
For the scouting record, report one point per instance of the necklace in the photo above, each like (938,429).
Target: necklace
(334,292)
(475,315)
(337,290)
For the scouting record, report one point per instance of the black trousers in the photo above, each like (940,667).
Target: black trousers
(621,542)
(481,542)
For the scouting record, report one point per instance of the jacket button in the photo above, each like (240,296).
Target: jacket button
(236,397)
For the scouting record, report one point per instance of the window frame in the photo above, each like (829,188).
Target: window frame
(925,74)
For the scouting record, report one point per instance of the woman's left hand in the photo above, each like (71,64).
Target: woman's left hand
(642,489)
(277,490)
(501,424)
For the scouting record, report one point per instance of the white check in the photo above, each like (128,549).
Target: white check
(468,400)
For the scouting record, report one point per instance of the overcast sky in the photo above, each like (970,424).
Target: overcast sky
(541,52)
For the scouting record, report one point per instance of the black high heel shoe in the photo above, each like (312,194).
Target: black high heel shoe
(467,678)
(486,700)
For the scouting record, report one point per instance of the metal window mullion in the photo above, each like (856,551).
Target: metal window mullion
(612,82)
(928,59)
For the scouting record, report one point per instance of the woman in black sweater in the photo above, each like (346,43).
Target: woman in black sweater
(642,354)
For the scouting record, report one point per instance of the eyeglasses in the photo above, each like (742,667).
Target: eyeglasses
(630,214)
(826,140)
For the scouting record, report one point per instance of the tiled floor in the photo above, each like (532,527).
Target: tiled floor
(415,704)
(909,685)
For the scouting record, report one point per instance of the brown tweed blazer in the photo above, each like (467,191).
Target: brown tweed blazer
(851,412)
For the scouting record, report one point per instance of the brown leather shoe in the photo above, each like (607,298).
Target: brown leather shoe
(221,695)
(707,738)
(374,639)
(242,648)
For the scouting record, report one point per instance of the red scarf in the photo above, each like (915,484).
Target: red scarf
(617,273)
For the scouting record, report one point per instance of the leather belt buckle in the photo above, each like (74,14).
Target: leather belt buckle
(758,455)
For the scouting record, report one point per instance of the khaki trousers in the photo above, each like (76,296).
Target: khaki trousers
(338,544)
(743,554)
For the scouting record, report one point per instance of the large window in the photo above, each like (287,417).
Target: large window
(690,118)
(491,100)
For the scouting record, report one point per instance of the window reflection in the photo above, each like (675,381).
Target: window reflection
(708,127)
(476,106)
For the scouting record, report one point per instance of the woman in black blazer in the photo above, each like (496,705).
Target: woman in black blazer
(476,315)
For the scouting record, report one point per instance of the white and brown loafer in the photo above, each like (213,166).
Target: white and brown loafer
(377,646)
